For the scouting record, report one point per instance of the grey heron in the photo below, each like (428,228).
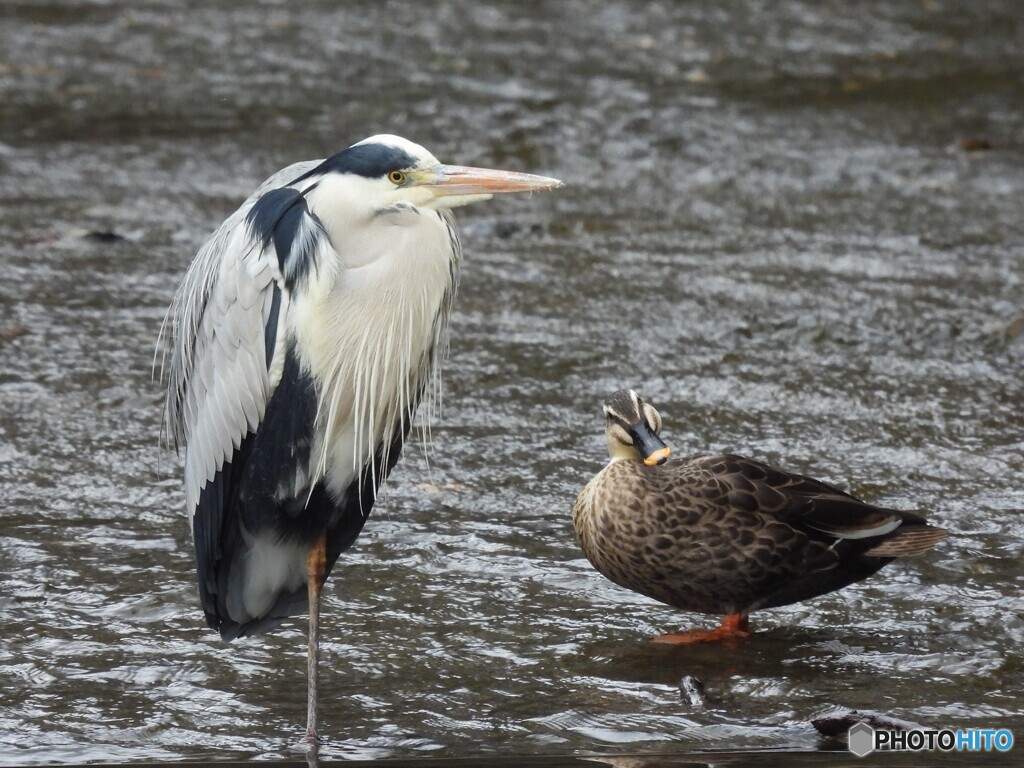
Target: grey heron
(725,534)
(304,336)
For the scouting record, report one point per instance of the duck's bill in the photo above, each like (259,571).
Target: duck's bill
(651,447)
(465,180)
(659,456)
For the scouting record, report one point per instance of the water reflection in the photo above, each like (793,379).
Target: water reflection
(770,227)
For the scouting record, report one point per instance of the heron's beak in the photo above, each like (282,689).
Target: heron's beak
(650,446)
(462,180)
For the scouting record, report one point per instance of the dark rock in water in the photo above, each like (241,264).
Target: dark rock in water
(1015,327)
(103,237)
(509,230)
(95,236)
(11,332)
(691,690)
(974,144)
(836,724)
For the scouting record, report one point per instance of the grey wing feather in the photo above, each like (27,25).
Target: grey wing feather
(218,380)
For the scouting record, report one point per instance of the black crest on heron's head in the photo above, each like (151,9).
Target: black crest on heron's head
(371,161)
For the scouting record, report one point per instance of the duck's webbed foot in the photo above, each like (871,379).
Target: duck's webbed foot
(735,626)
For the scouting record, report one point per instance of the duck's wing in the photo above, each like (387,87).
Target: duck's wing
(818,509)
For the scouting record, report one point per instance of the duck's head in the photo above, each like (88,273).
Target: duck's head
(632,429)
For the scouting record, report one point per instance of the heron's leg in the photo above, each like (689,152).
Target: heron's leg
(316,567)
(733,627)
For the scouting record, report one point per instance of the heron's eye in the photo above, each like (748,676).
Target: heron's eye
(396,177)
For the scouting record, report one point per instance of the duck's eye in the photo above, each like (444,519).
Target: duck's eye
(396,177)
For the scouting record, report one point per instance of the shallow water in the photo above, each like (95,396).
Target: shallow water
(779,224)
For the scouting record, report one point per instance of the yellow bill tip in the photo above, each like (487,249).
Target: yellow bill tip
(660,456)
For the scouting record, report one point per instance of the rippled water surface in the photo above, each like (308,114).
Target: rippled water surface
(798,228)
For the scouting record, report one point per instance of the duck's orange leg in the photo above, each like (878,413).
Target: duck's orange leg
(735,626)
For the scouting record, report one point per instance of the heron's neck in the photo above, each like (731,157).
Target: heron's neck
(372,338)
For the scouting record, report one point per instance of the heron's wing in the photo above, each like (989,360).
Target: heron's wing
(229,319)
(225,392)
(222,321)
(181,332)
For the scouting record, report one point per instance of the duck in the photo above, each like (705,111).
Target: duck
(724,534)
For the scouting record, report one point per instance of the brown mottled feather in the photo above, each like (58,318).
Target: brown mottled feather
(725,534)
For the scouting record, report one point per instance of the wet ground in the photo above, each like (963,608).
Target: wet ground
(795,227)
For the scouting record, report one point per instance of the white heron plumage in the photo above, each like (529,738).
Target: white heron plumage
(305,334)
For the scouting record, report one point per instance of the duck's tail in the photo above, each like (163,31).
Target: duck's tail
(908,540)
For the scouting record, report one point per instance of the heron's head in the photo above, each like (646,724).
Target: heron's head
(386,171)
(632,429)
